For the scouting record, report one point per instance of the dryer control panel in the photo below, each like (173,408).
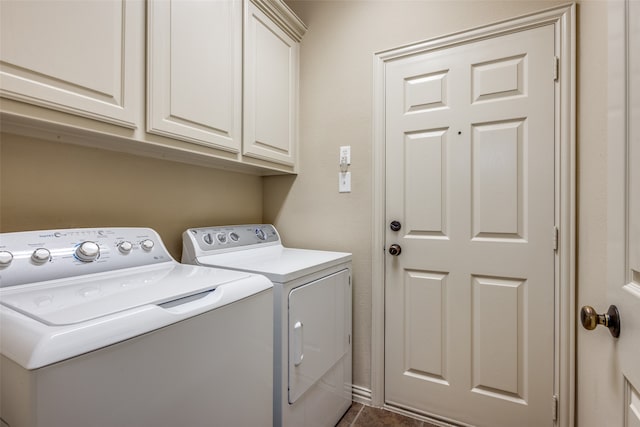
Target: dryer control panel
(212,239)
(35,256)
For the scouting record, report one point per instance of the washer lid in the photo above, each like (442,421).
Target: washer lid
(278,263)
(83,298)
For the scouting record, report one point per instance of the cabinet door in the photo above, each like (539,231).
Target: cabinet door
(195,71)
(271,90)
(80,57)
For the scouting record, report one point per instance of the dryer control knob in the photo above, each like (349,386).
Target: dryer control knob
(261,234)
(88,251)
(40,255)
(125,247)
(147,244)
(5,258)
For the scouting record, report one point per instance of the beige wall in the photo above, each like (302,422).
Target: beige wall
(53,185)
(336,109)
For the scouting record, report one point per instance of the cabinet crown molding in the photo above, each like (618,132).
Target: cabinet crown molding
(283,16)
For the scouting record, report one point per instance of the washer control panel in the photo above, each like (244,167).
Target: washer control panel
(234,236)
(35,256)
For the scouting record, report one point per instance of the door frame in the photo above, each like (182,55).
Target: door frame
(563,19)
(618,134)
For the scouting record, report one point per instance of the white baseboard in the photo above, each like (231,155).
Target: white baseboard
(361,394)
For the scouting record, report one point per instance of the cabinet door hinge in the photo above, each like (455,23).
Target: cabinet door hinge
(556,68)
(554,408)
(556,233)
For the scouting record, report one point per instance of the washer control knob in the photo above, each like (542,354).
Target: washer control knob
(147,244)
(40,256)
(222,238)
(261,234)
(88,251)
(125,247)
(208,239)
(5,258)
(234,236)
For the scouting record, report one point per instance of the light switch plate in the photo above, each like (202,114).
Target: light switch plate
(345,154)
(344,182)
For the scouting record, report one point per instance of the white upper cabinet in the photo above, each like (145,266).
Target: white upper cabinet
(79,57)
(220,86)
(194,72)
(271,57)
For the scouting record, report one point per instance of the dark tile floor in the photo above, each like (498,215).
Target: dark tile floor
(360,415)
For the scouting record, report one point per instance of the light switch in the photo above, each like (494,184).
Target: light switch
(345,155)
(344,182)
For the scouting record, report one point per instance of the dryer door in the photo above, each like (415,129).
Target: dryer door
(319,330)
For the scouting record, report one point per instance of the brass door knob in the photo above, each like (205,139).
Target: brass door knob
(611,319)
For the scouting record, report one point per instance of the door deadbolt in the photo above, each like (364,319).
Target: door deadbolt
(611,319)
(395,249)
(395,225)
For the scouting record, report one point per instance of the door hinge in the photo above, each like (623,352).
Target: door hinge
(556,68)
(554,408)
(556,233)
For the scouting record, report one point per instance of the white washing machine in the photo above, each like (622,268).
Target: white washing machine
(312,316)
(101,327)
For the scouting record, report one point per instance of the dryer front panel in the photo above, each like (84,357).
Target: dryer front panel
(319,332)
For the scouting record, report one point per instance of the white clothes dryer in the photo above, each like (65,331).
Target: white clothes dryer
(312,316)
(101,327)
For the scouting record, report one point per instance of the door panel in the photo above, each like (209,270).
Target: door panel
(425,351)
(424,160)
(469,302)
(498,335)
(497,179)
(502,78)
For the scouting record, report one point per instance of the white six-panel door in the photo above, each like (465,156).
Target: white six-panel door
(469,302)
